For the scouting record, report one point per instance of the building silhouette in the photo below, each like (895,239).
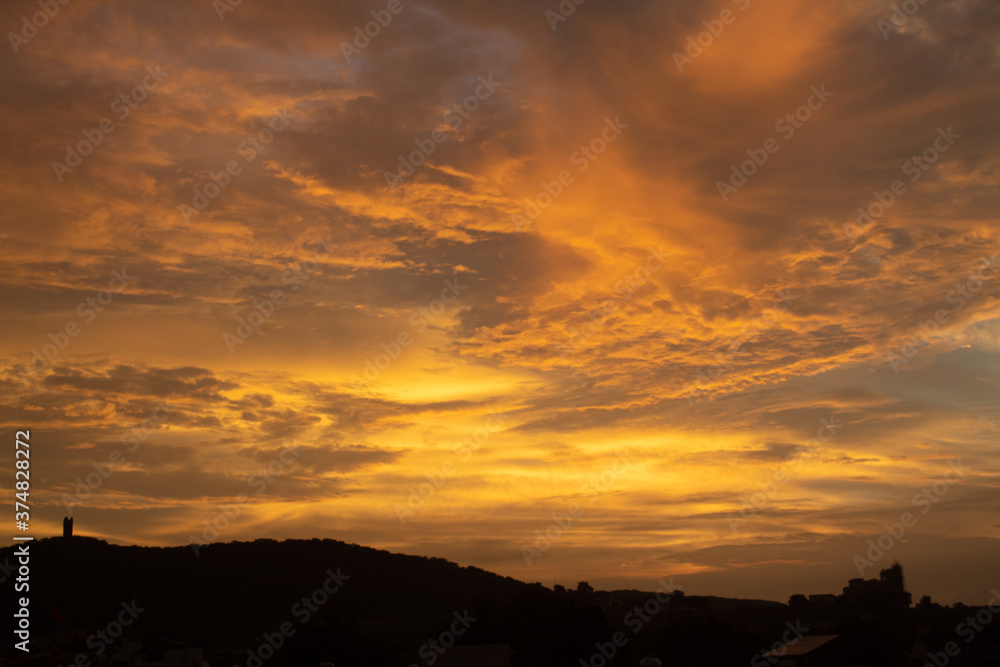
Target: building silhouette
(870,597)
(886,593)
(67,528)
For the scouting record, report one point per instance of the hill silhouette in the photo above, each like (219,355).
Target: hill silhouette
(229,596)
(316,600)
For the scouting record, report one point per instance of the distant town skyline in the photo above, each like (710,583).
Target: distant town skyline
(603,292)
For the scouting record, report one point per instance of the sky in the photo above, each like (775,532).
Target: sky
(605,292)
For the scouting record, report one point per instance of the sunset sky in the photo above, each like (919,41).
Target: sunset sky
(491,266)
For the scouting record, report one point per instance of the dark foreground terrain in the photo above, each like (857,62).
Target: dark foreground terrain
(302,602)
